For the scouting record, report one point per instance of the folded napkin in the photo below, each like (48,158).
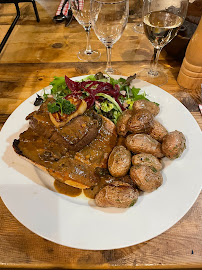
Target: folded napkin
(66,7)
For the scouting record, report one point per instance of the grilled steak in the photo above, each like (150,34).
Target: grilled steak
(70,153)
(79,132)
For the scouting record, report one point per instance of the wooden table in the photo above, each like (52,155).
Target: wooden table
(36,52)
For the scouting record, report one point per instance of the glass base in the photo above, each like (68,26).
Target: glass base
(138,27)
(109,70)
(88,56)
(160,77)
(113,71)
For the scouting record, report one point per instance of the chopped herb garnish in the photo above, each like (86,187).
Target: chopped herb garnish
(61,105)
(53,107)
(154,169)
(133,202)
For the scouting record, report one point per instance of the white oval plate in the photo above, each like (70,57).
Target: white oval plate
(76,222)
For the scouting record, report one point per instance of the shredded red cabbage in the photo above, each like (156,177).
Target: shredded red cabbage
(93,88)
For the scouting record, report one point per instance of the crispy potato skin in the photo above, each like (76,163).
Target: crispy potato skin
(158,131)
(143,143)
(173,144)
(119,161)
(141,122)
(147,160)
(145,104)
(146,178)
(122,122)
(117,194)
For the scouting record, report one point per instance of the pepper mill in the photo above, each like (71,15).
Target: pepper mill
(190,75)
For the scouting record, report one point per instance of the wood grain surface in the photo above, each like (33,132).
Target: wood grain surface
(33,55)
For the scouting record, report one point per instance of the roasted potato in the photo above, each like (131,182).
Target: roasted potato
(158,131)
(173,144)
(143,143)
(141,122)
(145,104)
(127,179)
(117,194)
(146,178)
(147,160)
(119,161)
(122,122)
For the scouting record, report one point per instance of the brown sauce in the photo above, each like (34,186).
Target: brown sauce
(66,189)
(104,180)
(91,192)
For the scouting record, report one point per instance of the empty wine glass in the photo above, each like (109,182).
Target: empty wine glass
(138,27)
(137,10)
(161,20)
(81,11)
(109,19)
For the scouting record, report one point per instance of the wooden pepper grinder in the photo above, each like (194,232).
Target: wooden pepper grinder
(190,75)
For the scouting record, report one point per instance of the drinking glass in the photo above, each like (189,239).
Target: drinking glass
(81,11)
(109,19)
(161,21)
(137,10)
(138,27)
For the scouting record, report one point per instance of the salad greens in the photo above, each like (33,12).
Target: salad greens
(59,87)
(108,96)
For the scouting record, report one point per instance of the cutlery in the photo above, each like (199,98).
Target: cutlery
(69,16)
(61,17)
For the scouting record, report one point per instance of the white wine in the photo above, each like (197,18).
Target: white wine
(161,27)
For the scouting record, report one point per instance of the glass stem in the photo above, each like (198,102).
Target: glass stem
(153,68)
(88,46)
(109,68)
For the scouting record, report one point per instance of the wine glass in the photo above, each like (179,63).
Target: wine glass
(81,11)
(137,9)
(109,19)
(138,27)
(161,21)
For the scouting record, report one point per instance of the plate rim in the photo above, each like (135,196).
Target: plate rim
(73,246)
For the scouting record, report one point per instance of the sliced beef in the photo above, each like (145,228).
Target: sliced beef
(50,148)
(60,164)
(76,134)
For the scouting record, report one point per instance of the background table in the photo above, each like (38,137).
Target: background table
(34,53)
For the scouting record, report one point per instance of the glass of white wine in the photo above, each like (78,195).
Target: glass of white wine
(109,19)
(161,20)
(81,11)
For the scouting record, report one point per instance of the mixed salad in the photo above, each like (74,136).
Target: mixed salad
(106,95)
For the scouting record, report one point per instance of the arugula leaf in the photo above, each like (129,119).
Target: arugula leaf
(129,79)
(100,76)
(135,91)
(89,78)
(97,77)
